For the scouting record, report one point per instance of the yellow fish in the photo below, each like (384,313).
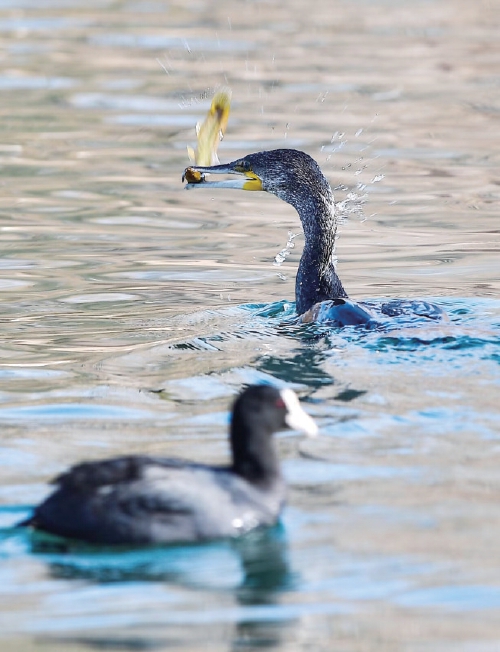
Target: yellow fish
(209,134)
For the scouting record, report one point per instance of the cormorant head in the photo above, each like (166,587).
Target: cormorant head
(289,174)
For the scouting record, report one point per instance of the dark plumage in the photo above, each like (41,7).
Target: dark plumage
(296,178)
(145,500)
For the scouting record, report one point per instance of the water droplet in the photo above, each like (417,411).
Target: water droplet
(285,252)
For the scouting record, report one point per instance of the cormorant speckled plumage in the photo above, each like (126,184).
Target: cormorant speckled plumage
(296,178)
(143,500)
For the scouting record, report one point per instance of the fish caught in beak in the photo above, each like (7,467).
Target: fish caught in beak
(246,178)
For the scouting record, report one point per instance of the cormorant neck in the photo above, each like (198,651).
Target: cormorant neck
(254,455)
(317,279)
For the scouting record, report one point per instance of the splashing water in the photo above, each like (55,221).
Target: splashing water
(356,194)
(351,205)
(280,257)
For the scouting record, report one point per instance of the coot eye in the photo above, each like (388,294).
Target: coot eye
(280,403)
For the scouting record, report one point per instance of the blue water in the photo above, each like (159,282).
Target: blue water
(297,569)
(133,312)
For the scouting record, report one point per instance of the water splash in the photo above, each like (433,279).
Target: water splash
(357,193)
(280,257)
(353,204)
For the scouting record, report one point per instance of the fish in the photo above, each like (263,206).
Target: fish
(209,134)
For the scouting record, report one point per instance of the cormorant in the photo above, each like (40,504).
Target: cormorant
(296,178)
(142,500)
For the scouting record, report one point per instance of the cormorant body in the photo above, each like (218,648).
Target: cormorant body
(297,179)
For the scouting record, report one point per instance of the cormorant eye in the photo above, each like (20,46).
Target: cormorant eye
(243,166)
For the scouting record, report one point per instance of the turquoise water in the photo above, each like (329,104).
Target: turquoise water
(267,584)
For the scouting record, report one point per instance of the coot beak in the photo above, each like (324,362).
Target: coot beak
(296,418)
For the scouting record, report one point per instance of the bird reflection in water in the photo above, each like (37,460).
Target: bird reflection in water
(254,569)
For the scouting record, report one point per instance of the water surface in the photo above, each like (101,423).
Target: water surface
(132,312)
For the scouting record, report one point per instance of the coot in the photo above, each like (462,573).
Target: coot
(139,499)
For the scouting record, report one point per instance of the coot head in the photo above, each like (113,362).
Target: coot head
(258,412)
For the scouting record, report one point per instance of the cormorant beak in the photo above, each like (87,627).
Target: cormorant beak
(296,418)
(247,180)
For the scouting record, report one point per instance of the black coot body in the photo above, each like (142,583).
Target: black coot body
(152,500)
